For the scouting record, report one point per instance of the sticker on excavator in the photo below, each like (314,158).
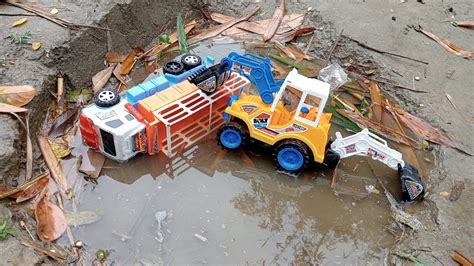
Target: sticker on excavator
(375,154)
(351,148)
(106,115)
(414,189)
(295,128)
(261,120)
(249,108)
(236,67)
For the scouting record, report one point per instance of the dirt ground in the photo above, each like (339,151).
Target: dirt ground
(385,25)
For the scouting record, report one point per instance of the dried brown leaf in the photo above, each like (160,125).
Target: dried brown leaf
(465,24)
(50,219)
(19,22)
(7,108)
(52,162)
(101,78)
(92,164)
(214,31)
(289,36)
(127,64)
(286,51)
(426,131)
(114,57)
(376,101)
(452,48)
(17,95)
(380,129)
(275,23)
(289,22)
(32,190)
(63,123)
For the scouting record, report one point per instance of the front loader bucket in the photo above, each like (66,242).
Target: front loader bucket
(412,188)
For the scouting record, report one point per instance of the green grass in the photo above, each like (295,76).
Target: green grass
(6,230)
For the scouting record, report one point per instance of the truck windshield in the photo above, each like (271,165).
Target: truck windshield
(108,142)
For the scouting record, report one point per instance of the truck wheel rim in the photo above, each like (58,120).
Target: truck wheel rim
(290,159)
(106,96)
(230,138)
(191,59)
(173,66)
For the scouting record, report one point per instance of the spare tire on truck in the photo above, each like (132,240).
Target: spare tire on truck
(107,97)
(190,61)
(173,68)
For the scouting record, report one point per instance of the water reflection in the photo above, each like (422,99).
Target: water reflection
(246,211)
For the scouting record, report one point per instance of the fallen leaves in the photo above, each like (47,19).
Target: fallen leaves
(275,22)
(17,95)
(288,23)
(425,131)
(127,65)
(50,219)
(451,47)
(52,162)
(101,78)
(114,57)
(19,22)
(35,45)
(464,24)
(216,30)
(31,191)
(376,101)
(8,108)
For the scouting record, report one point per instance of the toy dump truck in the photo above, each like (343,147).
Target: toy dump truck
(167,113)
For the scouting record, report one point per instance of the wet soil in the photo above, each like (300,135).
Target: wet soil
(246,211)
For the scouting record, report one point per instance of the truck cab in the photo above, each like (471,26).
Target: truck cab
(117,129)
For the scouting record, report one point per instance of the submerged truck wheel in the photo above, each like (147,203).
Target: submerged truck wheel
(231,136)
(291,156)
(107,97)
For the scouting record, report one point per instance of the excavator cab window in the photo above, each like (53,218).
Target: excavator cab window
(291,98)
(310,107)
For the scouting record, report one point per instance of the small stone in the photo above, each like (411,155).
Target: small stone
(353,204)
(417,78)
(78,244)
(421,105)
(394,18)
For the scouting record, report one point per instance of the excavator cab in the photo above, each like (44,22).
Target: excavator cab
(300,99)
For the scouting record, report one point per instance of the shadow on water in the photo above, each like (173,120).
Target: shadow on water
(232,207)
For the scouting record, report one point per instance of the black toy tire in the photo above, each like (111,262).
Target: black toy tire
(173,68)
(190,61)
(243,132)
(107,97)
(296,144)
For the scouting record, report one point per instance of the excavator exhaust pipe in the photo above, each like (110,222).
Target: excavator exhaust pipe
(412,188)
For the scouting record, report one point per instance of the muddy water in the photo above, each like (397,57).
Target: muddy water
(213,206)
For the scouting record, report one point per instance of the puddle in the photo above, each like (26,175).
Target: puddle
(232,207)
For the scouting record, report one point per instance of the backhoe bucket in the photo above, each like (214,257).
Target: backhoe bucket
(412,188)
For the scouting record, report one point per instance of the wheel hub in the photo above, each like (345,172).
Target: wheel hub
(106,96)
(191,59)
